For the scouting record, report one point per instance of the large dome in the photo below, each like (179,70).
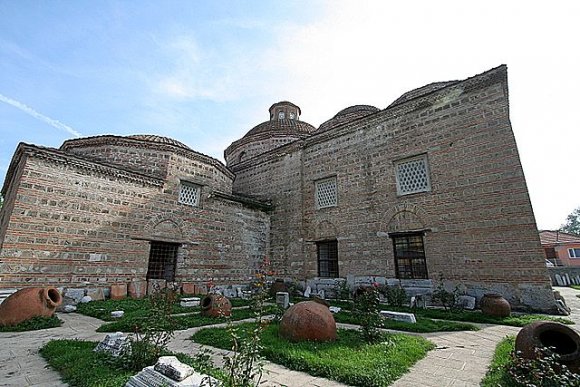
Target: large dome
(284,126)
(347,115)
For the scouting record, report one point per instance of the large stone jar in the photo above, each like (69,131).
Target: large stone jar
(556,337)
(216,305)
(28,303)
(493,304)
(308,321)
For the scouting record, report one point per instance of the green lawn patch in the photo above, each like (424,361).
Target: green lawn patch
(347,360)
(577,287)
(423,325)
(79,366)
(515,320)
(136,310)
(497,374)
(34,324)
(129,322)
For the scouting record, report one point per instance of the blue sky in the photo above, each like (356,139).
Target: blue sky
(205,72)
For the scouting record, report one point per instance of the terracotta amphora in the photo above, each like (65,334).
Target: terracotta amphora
(308,321)
(216,305)
(28,303)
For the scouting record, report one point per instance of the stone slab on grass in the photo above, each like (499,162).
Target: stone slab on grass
(399,316)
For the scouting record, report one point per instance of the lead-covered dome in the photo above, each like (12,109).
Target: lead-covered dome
(284,126)
(347,115)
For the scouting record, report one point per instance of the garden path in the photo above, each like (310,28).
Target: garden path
(461,358)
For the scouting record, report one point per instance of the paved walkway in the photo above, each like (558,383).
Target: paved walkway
(460,359)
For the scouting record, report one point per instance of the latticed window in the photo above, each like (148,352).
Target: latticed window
(326,193)
(162,259)
(189,193)
(327,259)
(412,175)
(410,260)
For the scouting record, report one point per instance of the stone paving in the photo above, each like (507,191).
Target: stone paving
(460,359)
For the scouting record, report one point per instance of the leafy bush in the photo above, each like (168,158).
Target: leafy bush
(33,324)
(394,295)
(509,370)
(368,314)
(444,297)
(544,371)
(153,332)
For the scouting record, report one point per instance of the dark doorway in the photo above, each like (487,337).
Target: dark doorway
(162,260)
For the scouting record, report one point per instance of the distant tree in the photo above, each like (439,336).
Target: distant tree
(572,224)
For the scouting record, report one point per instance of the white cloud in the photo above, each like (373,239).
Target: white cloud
(41,117)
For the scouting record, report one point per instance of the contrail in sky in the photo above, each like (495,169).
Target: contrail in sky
(41,117)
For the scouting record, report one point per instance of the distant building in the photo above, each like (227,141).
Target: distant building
(430,188)
(561,249)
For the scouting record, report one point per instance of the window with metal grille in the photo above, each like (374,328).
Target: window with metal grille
(327,259)
(326,193)
(189,193)
(162,260)
(410,260)
(412,175)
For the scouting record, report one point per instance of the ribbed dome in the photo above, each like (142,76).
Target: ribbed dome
(347,115)
(159,139)
(284,126)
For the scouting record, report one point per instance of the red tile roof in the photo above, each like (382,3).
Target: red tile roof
(548,237)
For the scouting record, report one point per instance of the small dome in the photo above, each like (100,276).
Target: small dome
(159,139)
(347,115)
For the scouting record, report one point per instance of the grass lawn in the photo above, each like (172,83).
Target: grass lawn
(138,309)
(34,324)
(577,287)
(462,315)
(347,360)
(78,365)
(423,325)
(497,375)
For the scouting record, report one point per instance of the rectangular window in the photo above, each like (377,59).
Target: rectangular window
(162,261)
(412,175)
(574,253)
(189,193)
(409,252)
(327,259)
(326,193)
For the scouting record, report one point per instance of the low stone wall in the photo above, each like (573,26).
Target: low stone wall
(564,275)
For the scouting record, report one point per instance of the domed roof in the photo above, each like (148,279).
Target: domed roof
(347,115)
(158,139)
(282,126)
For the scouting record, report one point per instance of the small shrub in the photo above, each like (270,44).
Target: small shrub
(444,297)
(152,332)
(394,295)
(367,312)
(342,290)
(544,371)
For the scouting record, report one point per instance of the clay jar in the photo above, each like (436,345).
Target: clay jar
(28,303)
(216,305)
(308,321)
(557,337)
(493,304)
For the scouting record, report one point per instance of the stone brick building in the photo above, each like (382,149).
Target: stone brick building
(430,188)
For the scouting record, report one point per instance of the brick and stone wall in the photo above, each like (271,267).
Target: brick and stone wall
(479,225)
(77,224)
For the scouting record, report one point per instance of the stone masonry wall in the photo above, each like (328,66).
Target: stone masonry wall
(77,227)
(481,232)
